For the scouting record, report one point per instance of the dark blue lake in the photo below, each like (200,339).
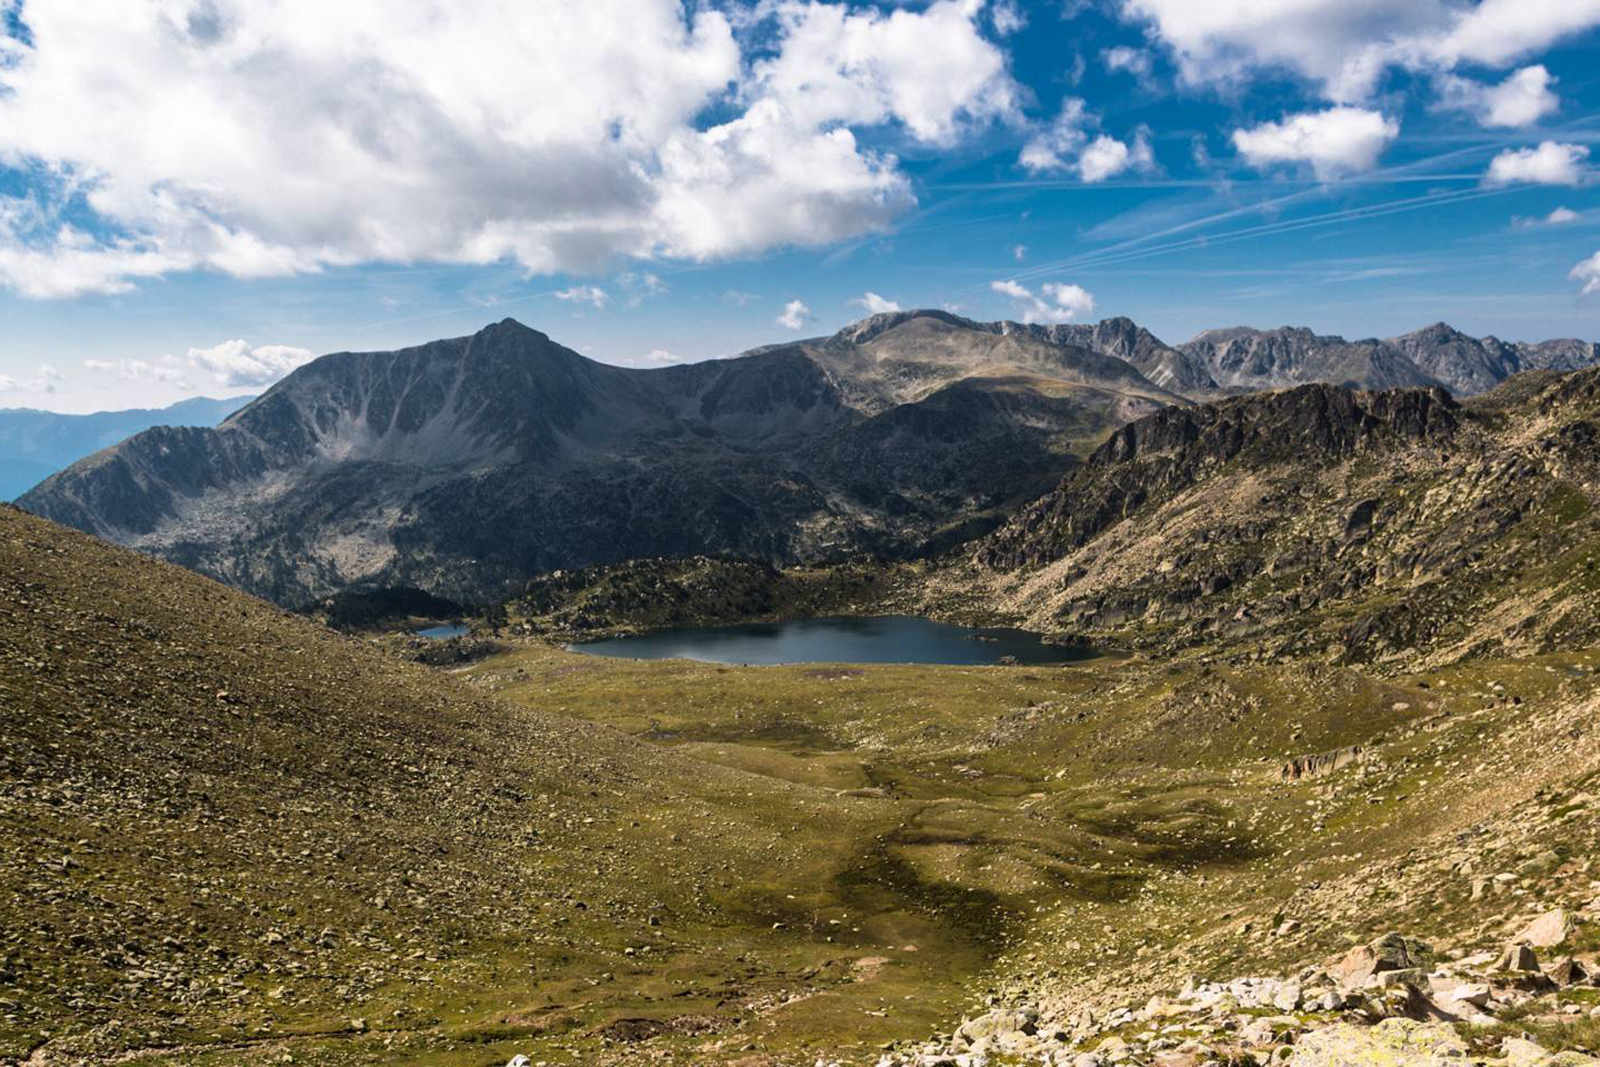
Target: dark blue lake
(885,639)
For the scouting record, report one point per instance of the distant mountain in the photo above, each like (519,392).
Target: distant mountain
(1243,360)
(1246,360)
(465,466)
(1469,365)
(35,444)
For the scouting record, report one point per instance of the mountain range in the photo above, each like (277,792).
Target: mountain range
(465,466)
(35,444)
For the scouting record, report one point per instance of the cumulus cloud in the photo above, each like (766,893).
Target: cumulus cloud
(1521,100)
(1055,302)
(1338,140)
(238,363)
(1549,164)
(1588,272)
(1344,46)
(584,294)
(875,304)
(273,139)
(1066,146)
(794,315)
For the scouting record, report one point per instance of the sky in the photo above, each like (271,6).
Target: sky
(197,196)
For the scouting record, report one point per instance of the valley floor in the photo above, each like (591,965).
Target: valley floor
(230,836)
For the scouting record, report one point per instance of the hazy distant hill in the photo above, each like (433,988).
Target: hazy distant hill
(35,444)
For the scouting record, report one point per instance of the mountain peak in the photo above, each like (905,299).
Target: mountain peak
(859,333)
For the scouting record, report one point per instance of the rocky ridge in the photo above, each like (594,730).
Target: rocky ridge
(1370,526)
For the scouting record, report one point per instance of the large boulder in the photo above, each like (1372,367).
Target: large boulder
(1391,1043)
(1549,929)
(1391,952)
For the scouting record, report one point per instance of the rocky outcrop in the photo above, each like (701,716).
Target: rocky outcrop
(1300,767)
(1177,447)
(1358,526)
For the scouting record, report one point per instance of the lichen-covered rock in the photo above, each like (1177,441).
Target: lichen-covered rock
(1391,1043)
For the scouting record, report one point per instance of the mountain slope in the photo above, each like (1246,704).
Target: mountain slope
(36,444)
(466,466)
(1398,527)
(226,828)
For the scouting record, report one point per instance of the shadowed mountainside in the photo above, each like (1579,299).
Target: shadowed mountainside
(463,467)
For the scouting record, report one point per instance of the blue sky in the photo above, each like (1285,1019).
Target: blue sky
(197,195)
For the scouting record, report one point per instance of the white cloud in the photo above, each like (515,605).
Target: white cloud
(875,304)
(1106,157)
(1019,252)
(1588,272)
(273,139)
(1006,17)
(583,294)
(1549,164)
(237,363)
(795,315)
(740,297)
(1521,100)
(43,380)
(1054,303)
(658,357)
(930,70)
(1559,217)
(1065,146)
(1338,140)
(1135,61)
(167,370)
(1344,46)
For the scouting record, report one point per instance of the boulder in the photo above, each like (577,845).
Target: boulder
(1549,929)
(1391,1043)
(1517,958)
(1568,972)
(1391,952)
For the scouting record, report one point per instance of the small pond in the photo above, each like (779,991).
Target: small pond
(452,629)
(884,639)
